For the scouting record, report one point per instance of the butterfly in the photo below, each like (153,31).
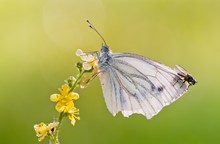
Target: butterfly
(135,84)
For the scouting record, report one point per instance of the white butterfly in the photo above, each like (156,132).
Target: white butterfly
(135,84)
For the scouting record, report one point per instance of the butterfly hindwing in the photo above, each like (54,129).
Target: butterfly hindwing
(116,97)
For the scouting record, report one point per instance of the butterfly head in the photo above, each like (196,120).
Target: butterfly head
(104,49)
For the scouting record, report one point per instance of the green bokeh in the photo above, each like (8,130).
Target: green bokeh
(38,40)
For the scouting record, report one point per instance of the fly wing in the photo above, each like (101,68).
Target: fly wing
(180,69)
(135,84)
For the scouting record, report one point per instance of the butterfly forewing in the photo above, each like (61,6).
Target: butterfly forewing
(135,84)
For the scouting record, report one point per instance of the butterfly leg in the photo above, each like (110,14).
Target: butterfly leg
(87,81)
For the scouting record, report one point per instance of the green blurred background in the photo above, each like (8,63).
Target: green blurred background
(38,40)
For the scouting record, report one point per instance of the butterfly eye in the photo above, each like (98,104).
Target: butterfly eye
(104,49)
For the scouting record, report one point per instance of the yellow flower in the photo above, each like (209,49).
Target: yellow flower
(41,130)
(73,115)
(64,106)
(64,99)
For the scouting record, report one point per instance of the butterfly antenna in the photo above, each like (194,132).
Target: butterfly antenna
(92,27)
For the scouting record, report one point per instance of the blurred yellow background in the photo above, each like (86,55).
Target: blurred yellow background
(38,40)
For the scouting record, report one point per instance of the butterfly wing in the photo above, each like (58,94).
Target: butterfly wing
(135,84)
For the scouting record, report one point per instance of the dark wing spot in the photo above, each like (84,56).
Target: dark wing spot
(160,88)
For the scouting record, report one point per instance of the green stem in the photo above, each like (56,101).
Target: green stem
(77,80)
(54,138)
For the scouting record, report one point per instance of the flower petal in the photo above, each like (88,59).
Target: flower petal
(52,127)
(87,66)
(60,107)
(64,89)
(90,58)
(69,106)
(84,57)
(55,97)
(73,96)
(79,52)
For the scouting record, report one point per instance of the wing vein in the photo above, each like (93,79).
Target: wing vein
(138,98)
(127,91)
(143,77)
